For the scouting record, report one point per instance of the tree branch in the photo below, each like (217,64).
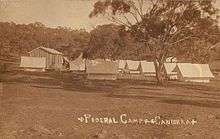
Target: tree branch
(181,40)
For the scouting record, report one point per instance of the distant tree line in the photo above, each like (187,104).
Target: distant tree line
(108,41)
(18,39)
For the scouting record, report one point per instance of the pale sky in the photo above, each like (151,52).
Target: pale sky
(52,13)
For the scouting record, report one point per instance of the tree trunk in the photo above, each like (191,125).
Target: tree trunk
(159,73)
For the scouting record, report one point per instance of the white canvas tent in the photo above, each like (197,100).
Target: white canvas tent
(169,67)
(148,68)
(121,65)
(33,63)
(78,64)
(133,67)
(100,69)
(193,72)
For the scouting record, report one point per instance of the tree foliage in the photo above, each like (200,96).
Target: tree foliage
(164,25)
(18,39)
(108,42)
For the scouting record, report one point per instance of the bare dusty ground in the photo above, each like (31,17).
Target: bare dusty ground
(48,105)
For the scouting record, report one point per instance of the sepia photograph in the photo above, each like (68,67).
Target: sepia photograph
(109,69)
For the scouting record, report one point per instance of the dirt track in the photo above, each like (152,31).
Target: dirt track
(44,107)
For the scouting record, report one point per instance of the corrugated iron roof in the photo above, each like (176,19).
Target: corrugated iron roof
(49,50)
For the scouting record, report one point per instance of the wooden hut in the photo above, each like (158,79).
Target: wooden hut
(54,58)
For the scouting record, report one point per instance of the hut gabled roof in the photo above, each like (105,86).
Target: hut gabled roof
(49,50)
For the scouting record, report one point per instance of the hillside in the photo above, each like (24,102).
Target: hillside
(18,39)
(106,41)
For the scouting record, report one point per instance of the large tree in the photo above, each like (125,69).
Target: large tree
(106,42)
(162,25)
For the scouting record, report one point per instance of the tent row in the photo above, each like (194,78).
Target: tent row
(143,70)
(43,58)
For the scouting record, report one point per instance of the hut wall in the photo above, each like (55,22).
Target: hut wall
(53,61)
